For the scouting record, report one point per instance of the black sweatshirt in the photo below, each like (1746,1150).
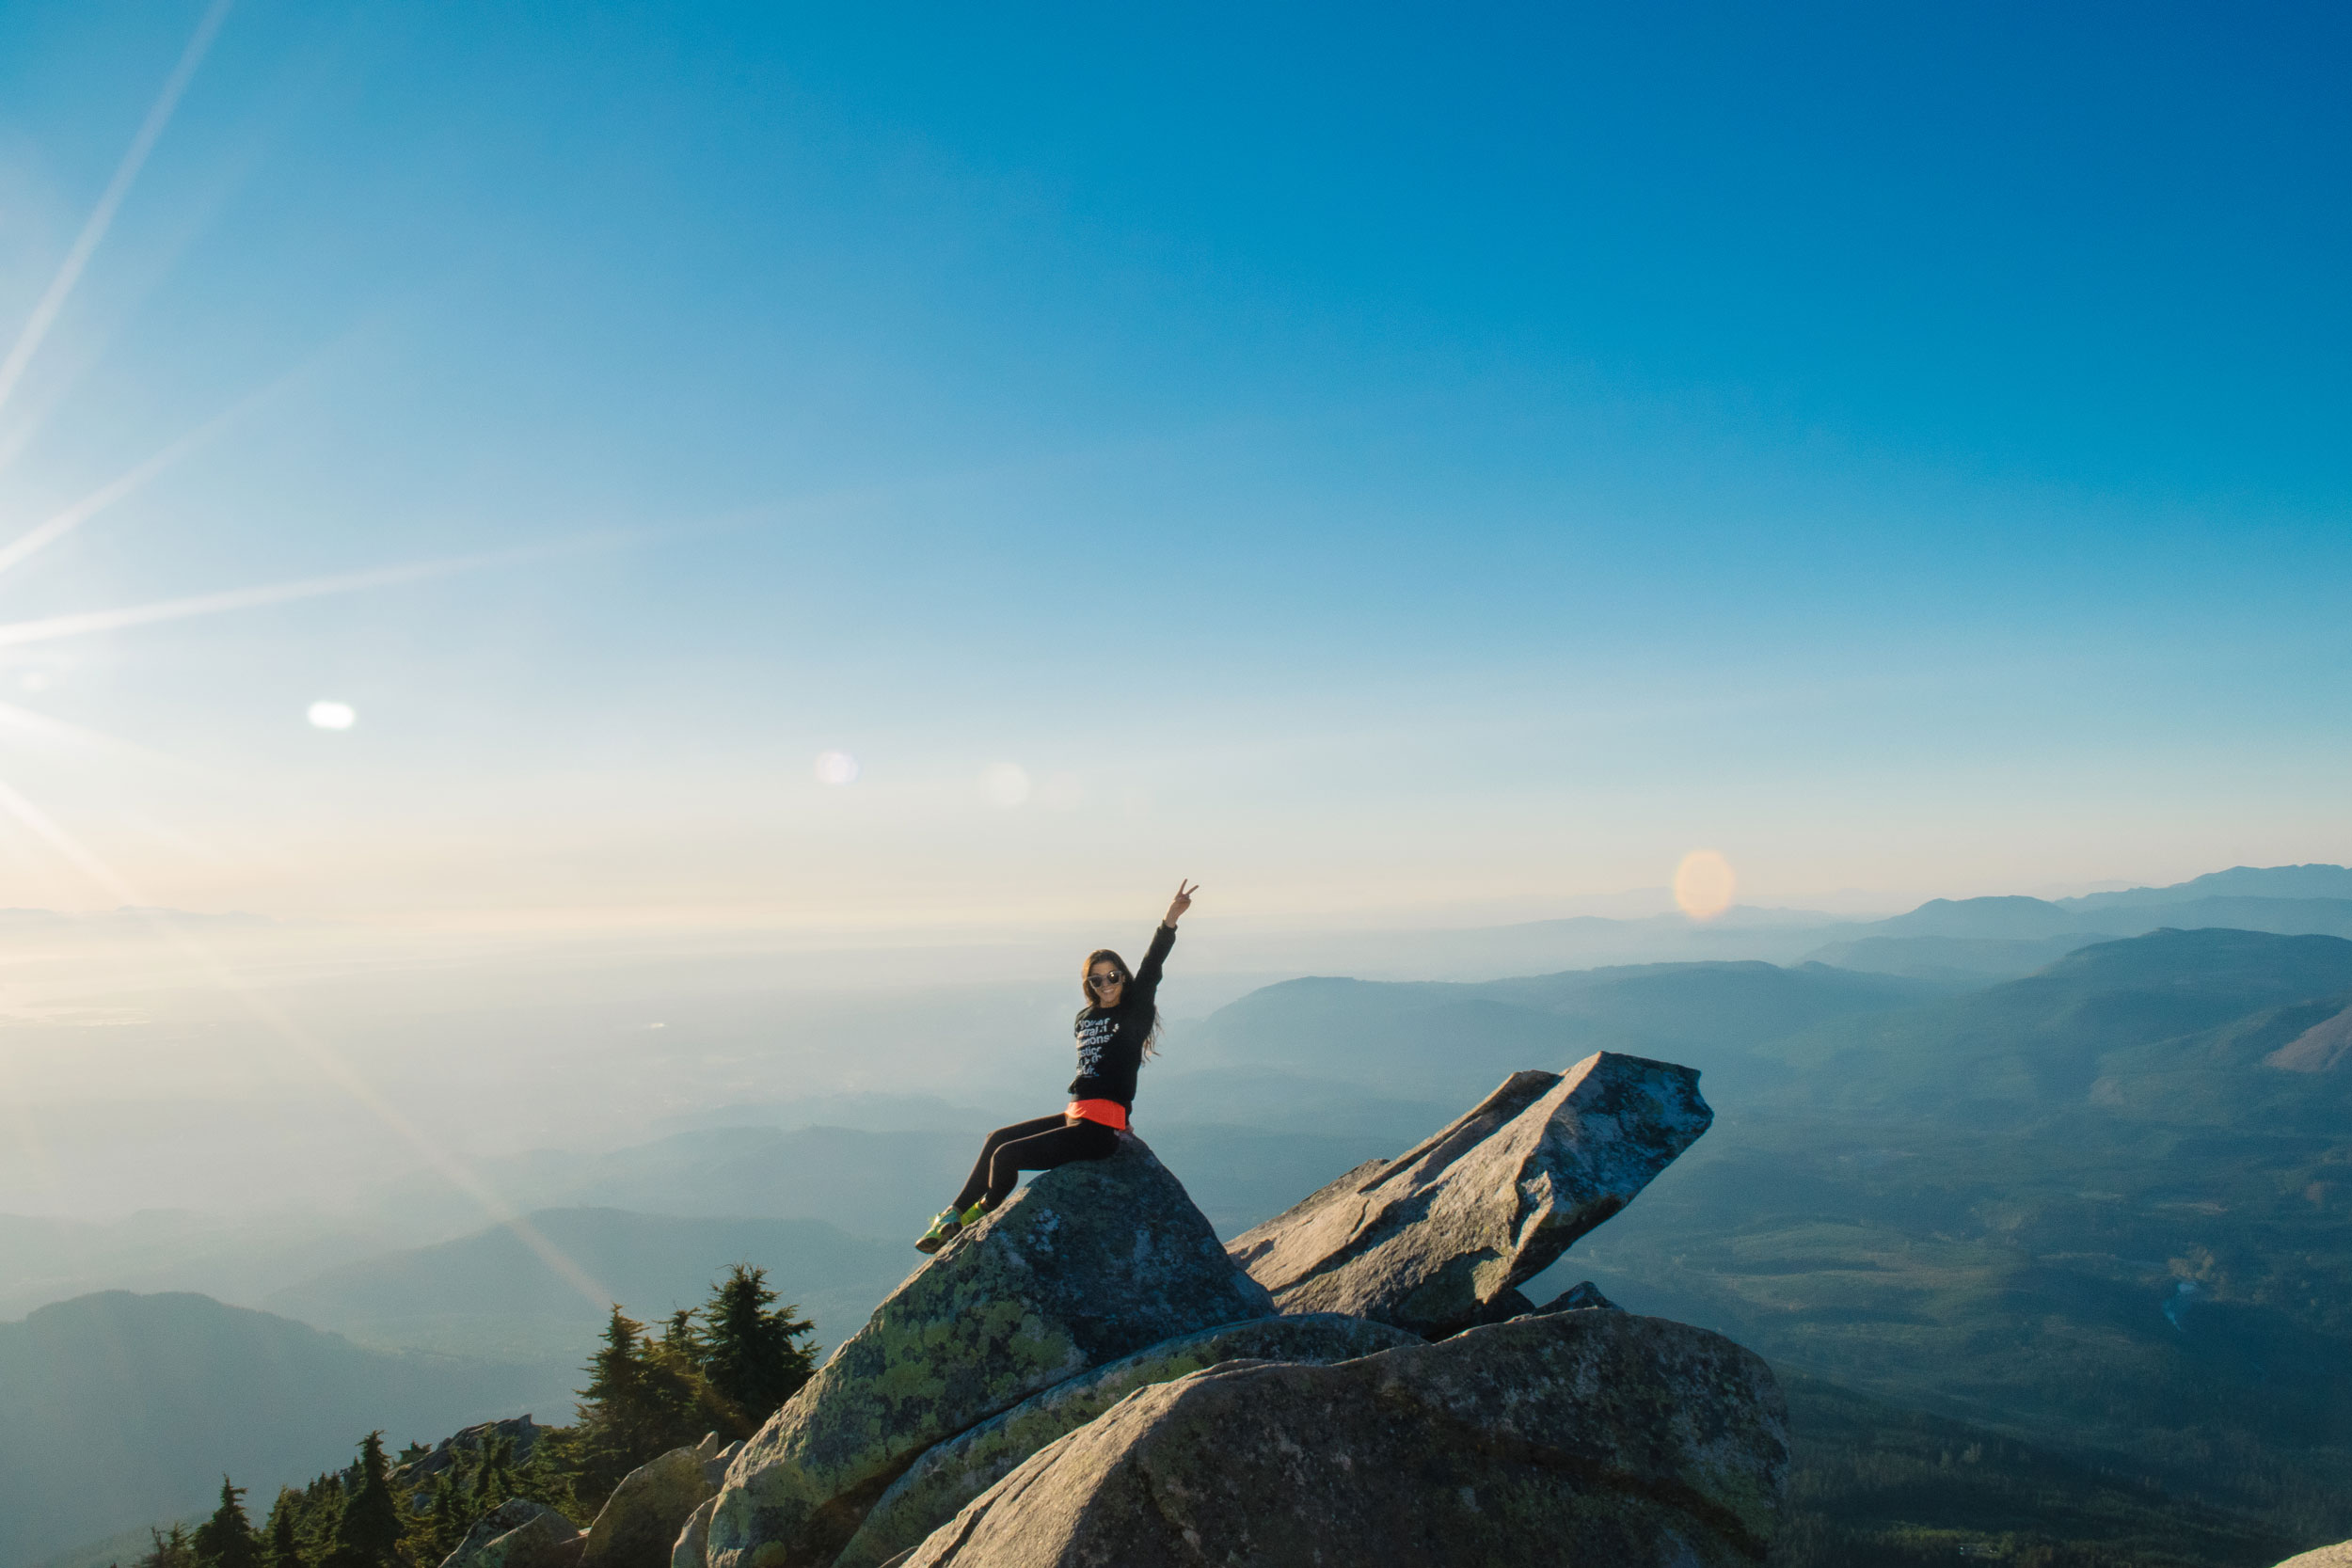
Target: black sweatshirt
(1110,1039)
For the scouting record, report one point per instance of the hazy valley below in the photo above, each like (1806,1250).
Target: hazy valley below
(2072,1175)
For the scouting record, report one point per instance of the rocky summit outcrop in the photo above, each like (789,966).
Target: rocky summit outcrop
(1088,1264)
(960,1469)
(1087,1376)
(518,1534)
(1575,1437)
(1439,1238)
(639,1525)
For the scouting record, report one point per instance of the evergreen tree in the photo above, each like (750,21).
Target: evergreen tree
(545,1478)
(440,1521)
(642,1399)
(322,1514)
(226,1540)
(169,1551)
(753,1356)
(493,1476)
(285,1548)
(368,1534)
(681,1338)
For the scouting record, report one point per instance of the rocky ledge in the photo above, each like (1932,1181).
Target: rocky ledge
(1088,1377)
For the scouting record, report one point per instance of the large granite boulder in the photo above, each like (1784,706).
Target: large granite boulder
(639,1525)
(1439,1238)
(518,1534)
(960,1469)
(1580,1437)
(1086,1265)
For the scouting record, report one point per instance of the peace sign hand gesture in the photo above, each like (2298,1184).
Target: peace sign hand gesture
(1182,902)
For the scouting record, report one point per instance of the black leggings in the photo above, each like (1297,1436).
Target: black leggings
(1039,1145)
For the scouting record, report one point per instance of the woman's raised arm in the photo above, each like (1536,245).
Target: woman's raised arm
(1147,976)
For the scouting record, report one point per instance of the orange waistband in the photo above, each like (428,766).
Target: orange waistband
(1110,1113)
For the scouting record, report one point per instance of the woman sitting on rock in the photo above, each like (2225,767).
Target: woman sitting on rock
(1117,1030)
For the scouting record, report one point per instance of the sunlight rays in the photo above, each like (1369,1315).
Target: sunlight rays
(53,300)
(327,1060)
(50,628)
(47,532)
(25,724)
(39,726)
(40,537)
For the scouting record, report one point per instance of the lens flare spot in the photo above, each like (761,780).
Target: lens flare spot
(1005,784)
(836,768)
(1704,884)
(333,716)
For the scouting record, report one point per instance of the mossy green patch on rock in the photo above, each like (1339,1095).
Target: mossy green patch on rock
(1088,1264)
(1583,1436)
(960,1469)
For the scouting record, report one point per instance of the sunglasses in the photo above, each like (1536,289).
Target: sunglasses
(1105,982)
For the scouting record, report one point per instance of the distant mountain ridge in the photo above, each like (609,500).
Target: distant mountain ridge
(2291,900)
(2012,934)
(124,1409)
(2315,881)
(492,1289)
(1436,1042)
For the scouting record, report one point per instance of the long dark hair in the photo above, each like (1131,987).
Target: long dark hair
(1126,977)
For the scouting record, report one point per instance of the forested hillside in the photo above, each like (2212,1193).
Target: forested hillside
(121,1410)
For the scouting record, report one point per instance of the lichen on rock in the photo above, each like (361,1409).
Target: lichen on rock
(1088,1264)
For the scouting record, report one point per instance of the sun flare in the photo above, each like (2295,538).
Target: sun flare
(1704,884)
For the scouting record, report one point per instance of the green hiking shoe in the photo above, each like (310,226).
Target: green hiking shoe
(943,1229)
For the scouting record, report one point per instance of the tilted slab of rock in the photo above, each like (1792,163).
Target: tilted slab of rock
(518,1534)
(1086,1264)
(960,1469)
(1436,1239)
(639,1525)
(1575,1438)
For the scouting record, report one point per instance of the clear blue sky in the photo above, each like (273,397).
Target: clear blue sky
(1367,458)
